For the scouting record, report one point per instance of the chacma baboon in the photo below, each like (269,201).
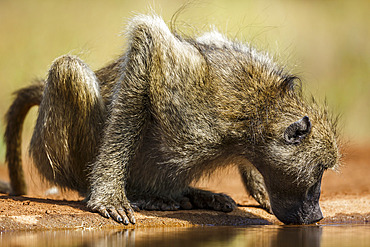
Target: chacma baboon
(137,132)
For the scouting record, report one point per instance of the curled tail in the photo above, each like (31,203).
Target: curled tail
(25,99)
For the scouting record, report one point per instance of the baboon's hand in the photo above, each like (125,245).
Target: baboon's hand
(122,212)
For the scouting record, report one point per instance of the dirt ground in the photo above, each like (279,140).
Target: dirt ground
(345,199)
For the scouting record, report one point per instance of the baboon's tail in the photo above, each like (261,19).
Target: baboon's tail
(25,99)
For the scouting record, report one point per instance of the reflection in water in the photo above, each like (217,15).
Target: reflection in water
(298,236)
(330,235)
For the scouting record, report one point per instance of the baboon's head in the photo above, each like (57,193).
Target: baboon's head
(262,114)
(299,145)
(289,139)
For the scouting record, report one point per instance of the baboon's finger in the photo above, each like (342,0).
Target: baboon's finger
(103,211)
(128,212)
(117,215)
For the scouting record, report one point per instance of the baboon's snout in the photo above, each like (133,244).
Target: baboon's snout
(300,215)
(304,209)
(314,216)
(311,203)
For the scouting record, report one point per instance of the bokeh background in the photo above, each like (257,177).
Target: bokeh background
(327,43)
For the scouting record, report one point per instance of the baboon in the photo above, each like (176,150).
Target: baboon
(136,133)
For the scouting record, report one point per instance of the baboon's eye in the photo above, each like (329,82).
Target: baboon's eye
(297,131)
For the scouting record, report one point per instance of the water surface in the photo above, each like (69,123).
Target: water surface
(323,236)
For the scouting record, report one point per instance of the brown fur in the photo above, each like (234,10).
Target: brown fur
(138,131)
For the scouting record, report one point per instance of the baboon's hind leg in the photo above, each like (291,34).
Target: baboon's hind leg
(209,200)
(161,203)
(69,123)
(193,198)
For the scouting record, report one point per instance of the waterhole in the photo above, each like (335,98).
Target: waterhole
(318,235)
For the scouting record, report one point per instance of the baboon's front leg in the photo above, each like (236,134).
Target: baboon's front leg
(255,185)
(121,140)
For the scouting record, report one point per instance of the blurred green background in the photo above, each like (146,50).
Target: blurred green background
(325,42)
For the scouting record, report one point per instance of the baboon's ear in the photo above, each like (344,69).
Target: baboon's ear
(297,131)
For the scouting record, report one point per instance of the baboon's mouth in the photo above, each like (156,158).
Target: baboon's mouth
(300,210)
(301,216)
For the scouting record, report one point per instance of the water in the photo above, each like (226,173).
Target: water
(323,236)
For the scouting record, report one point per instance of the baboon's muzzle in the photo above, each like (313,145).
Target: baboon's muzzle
(298,211)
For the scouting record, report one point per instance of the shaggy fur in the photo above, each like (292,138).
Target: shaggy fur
(169,110)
